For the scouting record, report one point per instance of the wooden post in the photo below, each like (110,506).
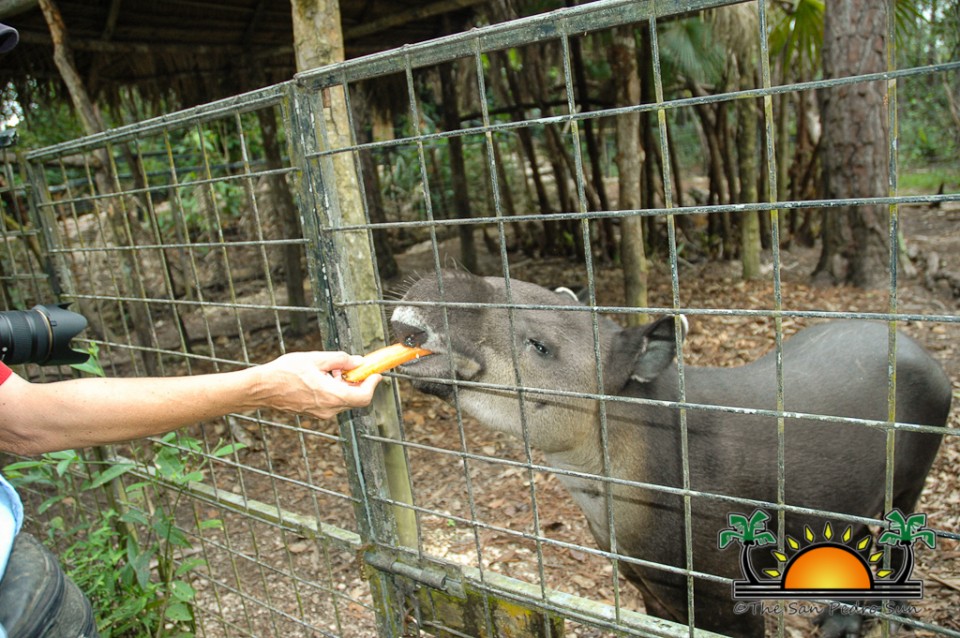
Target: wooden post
(318,41)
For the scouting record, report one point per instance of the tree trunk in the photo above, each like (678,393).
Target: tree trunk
(623,62)
(597,197)
(747,151)
(557,155)
(854,143)
(289,220)
(458,168)
(525,137)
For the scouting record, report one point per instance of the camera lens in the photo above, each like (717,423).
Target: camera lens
(40,335)
(24,337)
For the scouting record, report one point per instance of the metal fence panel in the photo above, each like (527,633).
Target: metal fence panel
(221,236)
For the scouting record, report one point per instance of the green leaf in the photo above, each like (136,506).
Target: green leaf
(64,466)
(227,450)
(182,591)
(739,521)
(90,366)
(897,520)
(179,612)
(193,477)
(189,566)
(136,487)
(50,502)
(135,516)
(168,464)
(213,523)
(758,516)
(139,562)
(21,465)
(111,473)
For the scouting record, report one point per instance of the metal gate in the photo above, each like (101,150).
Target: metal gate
(221,236)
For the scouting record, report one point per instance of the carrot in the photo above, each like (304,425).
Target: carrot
(382,360)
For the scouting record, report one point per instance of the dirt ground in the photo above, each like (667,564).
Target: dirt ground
(501,496)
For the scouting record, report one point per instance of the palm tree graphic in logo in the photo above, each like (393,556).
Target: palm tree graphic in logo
(834,567)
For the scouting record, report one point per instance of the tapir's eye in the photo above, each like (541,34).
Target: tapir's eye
(540,347)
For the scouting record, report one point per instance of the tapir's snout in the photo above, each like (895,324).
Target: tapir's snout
(408,335)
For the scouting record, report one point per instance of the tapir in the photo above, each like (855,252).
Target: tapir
(520,335)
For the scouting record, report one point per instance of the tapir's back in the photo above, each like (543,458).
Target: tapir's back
(836,369)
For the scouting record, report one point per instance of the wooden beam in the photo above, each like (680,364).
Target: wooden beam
(253,23)
(153,48)
(410,15)
(112,17)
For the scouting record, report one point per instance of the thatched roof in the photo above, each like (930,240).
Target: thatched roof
(198,50)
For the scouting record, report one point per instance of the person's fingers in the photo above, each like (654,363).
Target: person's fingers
(369,384)
(359,395)
(329,361)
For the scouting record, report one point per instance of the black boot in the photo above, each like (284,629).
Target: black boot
(37,600)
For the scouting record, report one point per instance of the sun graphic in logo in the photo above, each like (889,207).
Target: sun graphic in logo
(826,564)
(831,567)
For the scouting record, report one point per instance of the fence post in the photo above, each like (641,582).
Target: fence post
(341,269)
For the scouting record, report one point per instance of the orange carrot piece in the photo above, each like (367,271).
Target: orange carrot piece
(382,360)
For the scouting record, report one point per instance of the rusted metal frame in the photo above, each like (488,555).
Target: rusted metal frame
(313,191)
(516,33)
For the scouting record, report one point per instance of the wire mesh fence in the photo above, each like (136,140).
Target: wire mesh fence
(298,217)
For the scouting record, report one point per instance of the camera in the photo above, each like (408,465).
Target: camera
(40,335)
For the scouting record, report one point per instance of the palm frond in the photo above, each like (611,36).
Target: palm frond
(689,50)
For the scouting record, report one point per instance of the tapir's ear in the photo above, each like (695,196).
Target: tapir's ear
(580,295)
(653,347)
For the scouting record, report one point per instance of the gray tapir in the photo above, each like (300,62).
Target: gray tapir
(836,369)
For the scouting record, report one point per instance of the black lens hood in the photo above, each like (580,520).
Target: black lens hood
(62,326)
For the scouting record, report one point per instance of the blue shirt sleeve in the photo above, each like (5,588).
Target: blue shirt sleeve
(11,519)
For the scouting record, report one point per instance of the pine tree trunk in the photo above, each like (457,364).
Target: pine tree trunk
(855,149)
(458,169)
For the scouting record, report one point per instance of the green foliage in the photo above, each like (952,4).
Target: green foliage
(690,49)
(92,365)
(798,34)
(124,559)
(929,134)
(202,204)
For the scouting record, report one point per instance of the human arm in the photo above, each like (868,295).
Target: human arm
(44,417)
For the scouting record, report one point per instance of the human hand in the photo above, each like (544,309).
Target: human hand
(311,383)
